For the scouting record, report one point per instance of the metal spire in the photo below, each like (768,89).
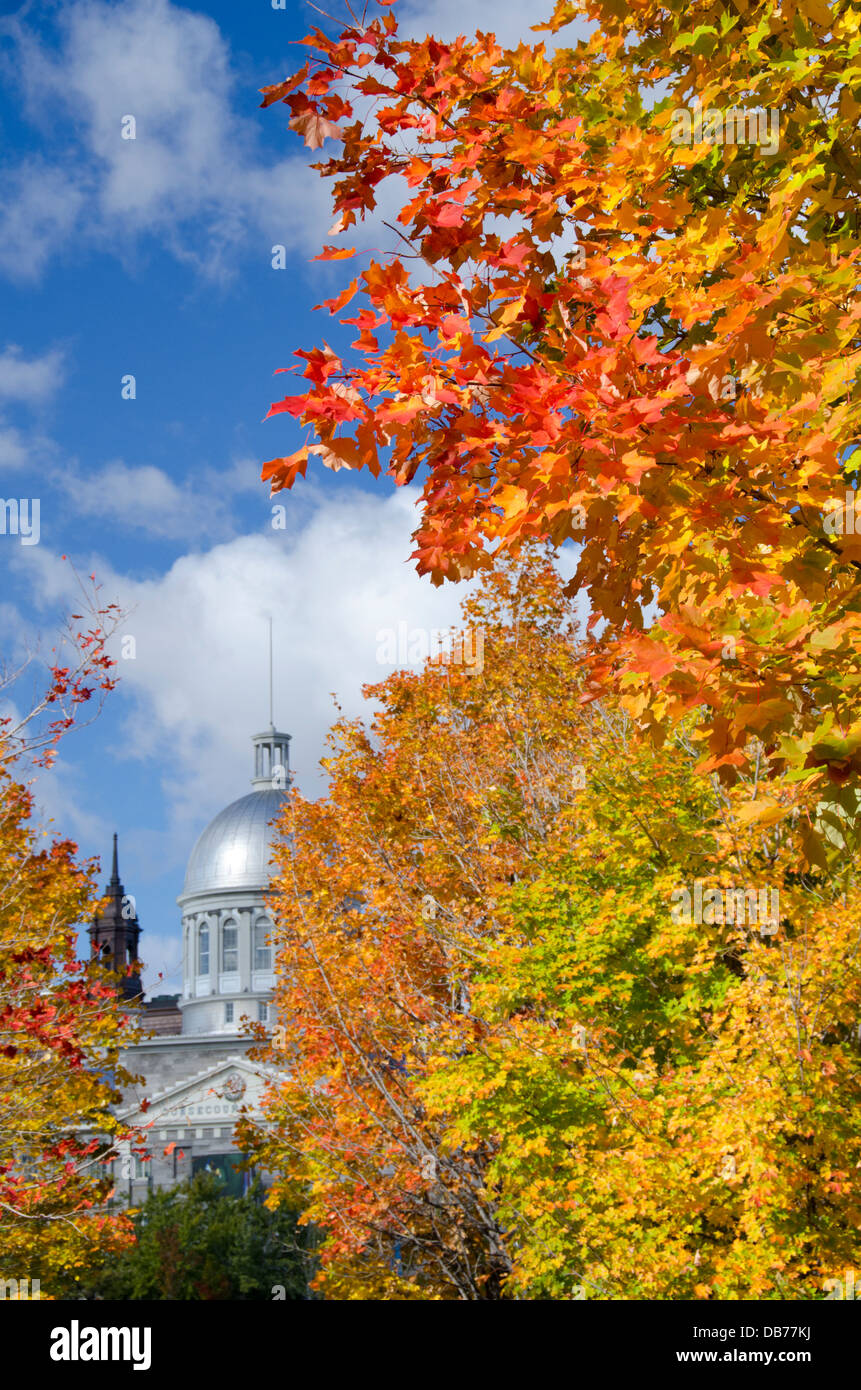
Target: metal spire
(271,703)
(272,749)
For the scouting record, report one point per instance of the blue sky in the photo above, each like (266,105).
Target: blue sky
(153,257)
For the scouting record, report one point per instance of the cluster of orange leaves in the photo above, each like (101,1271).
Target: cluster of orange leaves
(645,347)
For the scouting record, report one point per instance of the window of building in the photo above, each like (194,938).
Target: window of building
(228,1011)
(229,948)
(262,949)
(203,950)
(236,1179)
(263,1011)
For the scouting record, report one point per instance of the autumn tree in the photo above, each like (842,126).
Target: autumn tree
(623,312)
(429,813)
(671,1104)
(516,1068)
(61,1024)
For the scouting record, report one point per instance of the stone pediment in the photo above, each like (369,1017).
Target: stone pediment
(216,1095)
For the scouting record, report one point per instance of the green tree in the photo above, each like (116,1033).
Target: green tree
(194,1243)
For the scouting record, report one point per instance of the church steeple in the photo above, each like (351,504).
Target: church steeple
(115,933)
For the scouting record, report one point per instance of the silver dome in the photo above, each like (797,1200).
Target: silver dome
(234,849)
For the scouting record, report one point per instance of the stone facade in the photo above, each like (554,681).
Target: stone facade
(195,1074)
(196,1092)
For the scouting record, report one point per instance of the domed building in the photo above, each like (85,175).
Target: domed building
(197,1075)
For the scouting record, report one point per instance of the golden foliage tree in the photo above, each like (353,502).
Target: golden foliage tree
(540,1041)
(61,1024)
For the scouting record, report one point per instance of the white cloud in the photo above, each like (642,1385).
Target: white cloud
(26,381)
(58,809)
(162,956)
(14,452)
(193,175)
(138,497)
(509,20)
(41,206)
(146,499)
(198,681)
(29,380)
